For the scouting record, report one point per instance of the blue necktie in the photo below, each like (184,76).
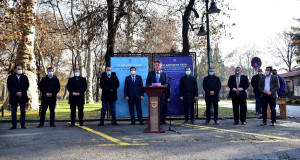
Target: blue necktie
(157,77)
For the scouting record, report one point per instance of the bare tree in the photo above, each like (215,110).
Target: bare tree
(283,48)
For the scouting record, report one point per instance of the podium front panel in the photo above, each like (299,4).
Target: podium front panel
(154,120)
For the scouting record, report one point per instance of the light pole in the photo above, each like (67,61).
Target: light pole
(213,9)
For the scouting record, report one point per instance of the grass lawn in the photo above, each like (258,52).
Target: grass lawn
(92,111)
(62,112)
(223,111)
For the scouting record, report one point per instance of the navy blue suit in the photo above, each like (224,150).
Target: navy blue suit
(151,78)
(15,85)
(133,90)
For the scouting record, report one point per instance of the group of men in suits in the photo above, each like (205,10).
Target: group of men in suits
(265,89)
(49,86)
(18,84)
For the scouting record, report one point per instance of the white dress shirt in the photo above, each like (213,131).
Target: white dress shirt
(267,83)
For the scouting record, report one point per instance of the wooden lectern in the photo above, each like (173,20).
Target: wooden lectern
(154,94)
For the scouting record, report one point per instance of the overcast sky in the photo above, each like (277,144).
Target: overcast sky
(257,21)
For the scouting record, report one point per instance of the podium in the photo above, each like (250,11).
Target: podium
(154,94)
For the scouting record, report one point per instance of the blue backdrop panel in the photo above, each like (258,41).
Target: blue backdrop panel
(174,67)
(121,65)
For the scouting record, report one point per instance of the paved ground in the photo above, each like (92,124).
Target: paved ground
(224,141)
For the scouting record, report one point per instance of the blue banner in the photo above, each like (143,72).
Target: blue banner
(174,67)
(121,65)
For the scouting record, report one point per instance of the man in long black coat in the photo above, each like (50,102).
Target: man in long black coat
(158,76)
(49,87)
(109,83)
(238,85)
(212,87)
(188,92)
(76,86)
(18,84)
(254,83)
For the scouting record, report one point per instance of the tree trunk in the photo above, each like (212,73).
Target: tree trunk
(112,27)
(89,78)
(26,56)
(185,27)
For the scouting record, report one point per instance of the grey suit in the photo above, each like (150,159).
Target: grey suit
(274,85)
(269,99)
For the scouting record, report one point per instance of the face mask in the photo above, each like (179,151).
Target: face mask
(211,73)
(108,73)
(188,73)
(267,73)
(132,72)
(19,71)
(50,74)
(237,72)
(274,73)
(76,74)
(260,73)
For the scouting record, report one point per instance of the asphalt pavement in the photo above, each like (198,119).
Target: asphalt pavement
(199,141)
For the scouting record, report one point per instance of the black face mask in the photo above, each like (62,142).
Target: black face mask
(274,73)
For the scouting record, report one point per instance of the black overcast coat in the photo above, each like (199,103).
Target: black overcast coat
(15,86)
(49,85)
(109,87)
(188,89)
(211,83)
(79,86)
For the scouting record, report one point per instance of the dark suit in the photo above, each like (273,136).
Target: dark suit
(78,85)
(49,85)
(238,100)
(254,83)
(266,99)
(212,83)
(188,89)
(15,85)
(133,90)
(151,78)
(109,96)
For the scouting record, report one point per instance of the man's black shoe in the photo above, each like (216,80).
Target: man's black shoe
(53,125)
(101,124)
(273,124)
(13,127)
(217,122)
(164,122)
(141,123)
(235,123)
(263,123)
(23,127)
(132,123)
(40,126)
(114,123)
(81,124)
(71,125)
(243,123)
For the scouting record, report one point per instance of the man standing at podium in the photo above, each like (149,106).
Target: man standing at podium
(157,76)
(133,94)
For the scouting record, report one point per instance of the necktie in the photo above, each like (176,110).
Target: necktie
(238,82)
(133,79)
(157,77)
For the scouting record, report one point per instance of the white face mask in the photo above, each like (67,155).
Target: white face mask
(50,74)
(188,73)
(132,72)
(76,74)
(267,72)
(260,73)
(19,72)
